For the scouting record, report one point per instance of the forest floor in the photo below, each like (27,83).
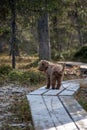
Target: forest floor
(14,109)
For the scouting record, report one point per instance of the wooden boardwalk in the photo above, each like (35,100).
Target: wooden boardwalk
(57,109)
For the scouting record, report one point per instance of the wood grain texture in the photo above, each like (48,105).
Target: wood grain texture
(40,114)
(57,109)
(78,114)
(58,114)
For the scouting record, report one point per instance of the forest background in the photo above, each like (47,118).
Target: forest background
(49,29)
(31,30)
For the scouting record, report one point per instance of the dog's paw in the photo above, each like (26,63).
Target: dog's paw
(57,88)
(47,87)
(53,88)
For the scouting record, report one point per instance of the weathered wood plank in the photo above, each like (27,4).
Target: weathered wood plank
(53,92)
(70,90)
(71,85)
(40,114)
(74,87)
(58,114)
(78,114)
(66,84)
(44,91)
(39,91)
(73,81)
(67,93)
(57,109)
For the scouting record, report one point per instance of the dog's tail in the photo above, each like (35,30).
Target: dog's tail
(63,70)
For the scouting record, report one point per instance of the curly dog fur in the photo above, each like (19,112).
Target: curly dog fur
(54,73)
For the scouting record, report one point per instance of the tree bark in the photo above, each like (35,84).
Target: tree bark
(80,37)
(43,37)
(13,32)
(1,47)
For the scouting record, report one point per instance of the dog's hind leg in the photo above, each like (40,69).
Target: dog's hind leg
(59,80)
(53,82)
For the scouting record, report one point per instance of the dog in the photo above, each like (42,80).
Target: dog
(54,73)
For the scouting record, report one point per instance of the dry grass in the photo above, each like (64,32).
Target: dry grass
(20,107)
(22,62)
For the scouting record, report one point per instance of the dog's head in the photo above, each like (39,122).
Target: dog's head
(43,65)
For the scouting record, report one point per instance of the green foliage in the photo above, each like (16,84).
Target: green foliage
(64,55)
(33,64)
(21,109)
(56,55)
(15,75)
(35,77)
(5,69)
(30,77)
(81,54)
(83,103)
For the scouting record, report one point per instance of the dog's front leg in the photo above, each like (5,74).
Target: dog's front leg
(48,82)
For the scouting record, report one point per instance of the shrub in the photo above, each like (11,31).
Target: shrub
(34,76)
(28,77)
(55,55)
(32,64)
(63,55)
(5,69)
(81,54)
(15,75)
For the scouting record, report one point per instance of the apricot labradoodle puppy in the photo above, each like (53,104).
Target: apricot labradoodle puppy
(54,73)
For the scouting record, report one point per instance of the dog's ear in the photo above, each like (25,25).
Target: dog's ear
(44,64)
(40,62)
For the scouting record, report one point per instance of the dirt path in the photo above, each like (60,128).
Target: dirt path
(13,108)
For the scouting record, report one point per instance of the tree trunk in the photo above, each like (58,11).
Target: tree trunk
(43,37)
(13,32)
(80,37)
(1,47)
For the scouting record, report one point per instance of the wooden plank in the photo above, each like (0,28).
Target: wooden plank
(78,114)
(39,91)
(67,93)
(40,114)
(72,63)
(74,87)
(84,66)
(73,81)
(50,91)
(69,84)
(58,113)
(70,90)
(66,84)
(53,92)
(43,90)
